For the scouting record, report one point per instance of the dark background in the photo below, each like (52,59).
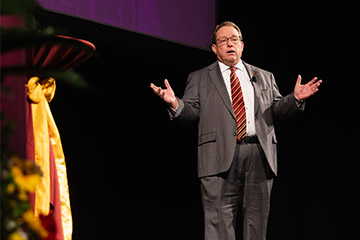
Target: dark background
(132,172)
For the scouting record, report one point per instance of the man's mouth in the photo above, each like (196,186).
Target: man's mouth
(230,51)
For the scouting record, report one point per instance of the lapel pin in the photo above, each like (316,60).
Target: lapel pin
(253,79)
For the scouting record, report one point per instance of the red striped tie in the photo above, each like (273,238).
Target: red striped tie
(238,104)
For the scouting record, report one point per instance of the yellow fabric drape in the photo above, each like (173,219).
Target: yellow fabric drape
(40,93)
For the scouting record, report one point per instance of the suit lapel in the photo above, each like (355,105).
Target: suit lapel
(255,81)
(218,80)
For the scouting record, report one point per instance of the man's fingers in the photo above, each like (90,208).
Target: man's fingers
(298,81)
(152,86)
(155,89)
(316,85)
(312,81)
(167,84)
(166,94)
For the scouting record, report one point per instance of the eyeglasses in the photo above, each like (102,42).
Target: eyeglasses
(223,41)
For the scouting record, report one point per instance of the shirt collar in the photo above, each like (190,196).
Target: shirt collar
(224,67)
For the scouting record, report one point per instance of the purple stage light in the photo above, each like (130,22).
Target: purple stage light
(187,22)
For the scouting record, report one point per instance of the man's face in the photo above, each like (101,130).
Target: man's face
(228,47)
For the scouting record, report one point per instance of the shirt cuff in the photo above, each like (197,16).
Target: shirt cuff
(298,102)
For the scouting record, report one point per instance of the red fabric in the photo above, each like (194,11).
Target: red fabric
(49,224)
(55,204)
(18,109)
(62,55)
(13,92)
(238,104)
(30,150)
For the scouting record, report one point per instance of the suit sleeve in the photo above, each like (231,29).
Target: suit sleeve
(189,106)
(284,106)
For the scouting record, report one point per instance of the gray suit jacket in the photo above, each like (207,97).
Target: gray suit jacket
(207,100)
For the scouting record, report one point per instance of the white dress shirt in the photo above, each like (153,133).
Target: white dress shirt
(247,90)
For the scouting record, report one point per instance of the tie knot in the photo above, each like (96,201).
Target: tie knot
(232,69)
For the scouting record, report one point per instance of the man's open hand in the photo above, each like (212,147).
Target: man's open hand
(167,94)
(302,92)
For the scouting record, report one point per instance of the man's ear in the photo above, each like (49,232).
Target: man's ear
(213,47)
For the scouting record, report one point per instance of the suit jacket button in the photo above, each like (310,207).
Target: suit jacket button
(234,134)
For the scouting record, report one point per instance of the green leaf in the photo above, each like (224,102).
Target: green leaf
(22,8)
(70,77)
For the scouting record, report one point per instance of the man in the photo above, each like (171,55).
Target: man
(236,105)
